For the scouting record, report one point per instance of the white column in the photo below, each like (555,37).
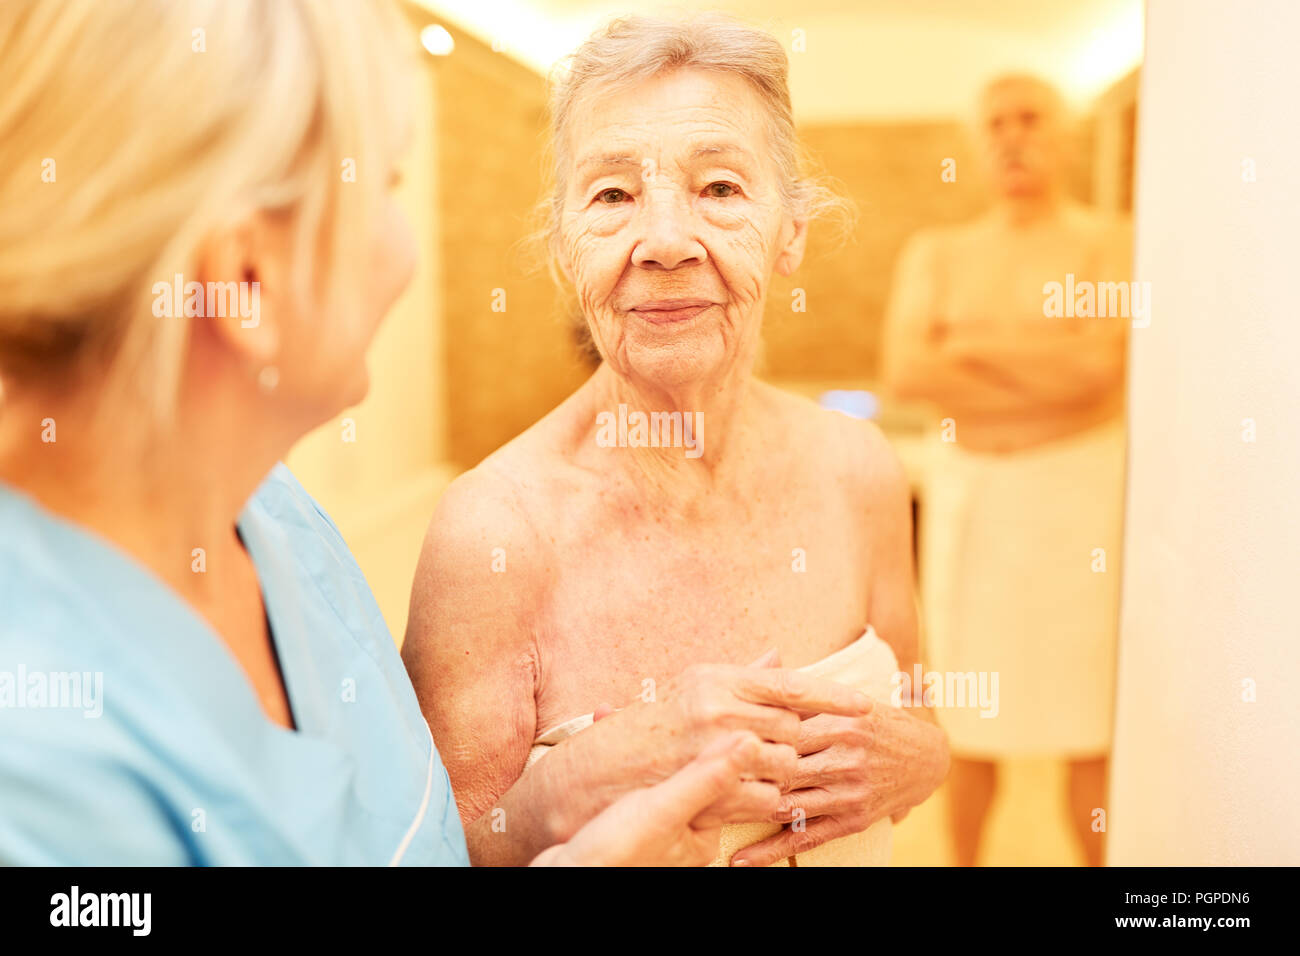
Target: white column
(1207,750)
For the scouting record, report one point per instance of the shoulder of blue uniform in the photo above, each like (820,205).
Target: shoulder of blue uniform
(283,497)
(320,551)
(317,545)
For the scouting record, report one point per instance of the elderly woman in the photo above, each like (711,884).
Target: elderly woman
(673,514)
(159,573)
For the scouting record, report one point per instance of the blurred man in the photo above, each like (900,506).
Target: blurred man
(1013,326)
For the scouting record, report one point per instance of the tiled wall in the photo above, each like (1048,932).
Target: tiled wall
(504,370)
(892,174)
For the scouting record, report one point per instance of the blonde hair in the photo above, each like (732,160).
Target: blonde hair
(629,50)
(131,132)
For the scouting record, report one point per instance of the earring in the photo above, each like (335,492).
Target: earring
(268,379)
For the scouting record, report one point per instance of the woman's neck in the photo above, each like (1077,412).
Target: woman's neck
(678,443)
(159,499)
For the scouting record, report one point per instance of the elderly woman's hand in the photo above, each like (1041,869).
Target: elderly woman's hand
(852,772)
(661,825)
(707,700)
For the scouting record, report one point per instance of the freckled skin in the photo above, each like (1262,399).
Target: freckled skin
(645,588)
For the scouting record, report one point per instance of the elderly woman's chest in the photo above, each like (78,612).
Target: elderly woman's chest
(642,606)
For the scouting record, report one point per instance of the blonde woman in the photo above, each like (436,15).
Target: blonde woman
(179,617)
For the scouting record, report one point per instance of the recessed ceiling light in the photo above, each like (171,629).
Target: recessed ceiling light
(437,40)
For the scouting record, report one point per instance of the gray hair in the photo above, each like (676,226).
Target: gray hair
(632,49)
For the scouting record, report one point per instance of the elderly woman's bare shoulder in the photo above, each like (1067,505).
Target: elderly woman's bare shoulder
(506,503)
(851,451)
(473,571)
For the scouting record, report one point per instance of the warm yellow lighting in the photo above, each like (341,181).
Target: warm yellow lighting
(1110,51)
(521,29)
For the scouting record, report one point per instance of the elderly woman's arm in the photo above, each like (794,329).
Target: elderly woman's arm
(854,771)
(470,659)
(471,655)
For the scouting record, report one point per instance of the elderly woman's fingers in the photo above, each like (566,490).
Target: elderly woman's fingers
(770,763)
(790,841)
(824,768)
(818,732)
(801,692)
(774,724)
(807,803)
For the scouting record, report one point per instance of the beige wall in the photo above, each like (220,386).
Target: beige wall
(1204,774)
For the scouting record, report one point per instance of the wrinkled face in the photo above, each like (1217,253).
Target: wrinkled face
(1021,139)
(672,224)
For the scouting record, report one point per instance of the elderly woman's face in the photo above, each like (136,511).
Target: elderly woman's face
(673,222)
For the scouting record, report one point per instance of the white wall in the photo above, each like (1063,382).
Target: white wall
(1212,563)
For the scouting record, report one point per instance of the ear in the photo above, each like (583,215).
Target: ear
(254,254)
(793,240)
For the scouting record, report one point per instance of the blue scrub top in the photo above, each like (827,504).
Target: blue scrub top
(129,734)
